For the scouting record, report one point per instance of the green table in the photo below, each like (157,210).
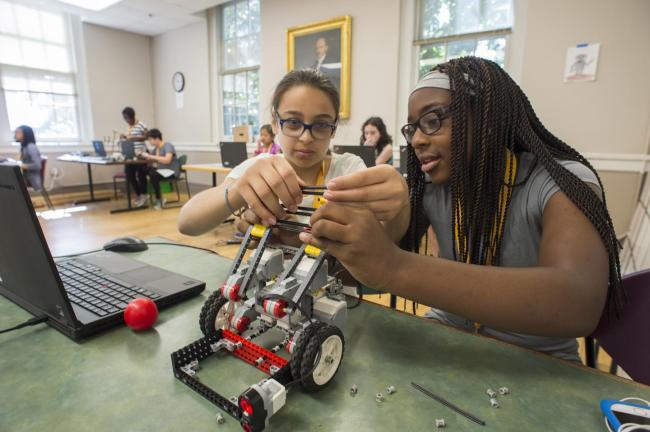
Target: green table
(122,380)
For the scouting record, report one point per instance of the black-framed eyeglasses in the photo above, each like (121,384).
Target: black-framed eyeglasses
(293,127)
(429,123)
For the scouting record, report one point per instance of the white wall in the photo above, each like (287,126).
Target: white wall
(607,115)
(375,54)
(119,75)
(118,68)
(184,50)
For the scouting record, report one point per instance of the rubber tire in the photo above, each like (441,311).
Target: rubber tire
(296,357)
(312,350)
(209,313)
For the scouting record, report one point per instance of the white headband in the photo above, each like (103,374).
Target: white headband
(433,79)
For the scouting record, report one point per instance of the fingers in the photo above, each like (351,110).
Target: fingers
(256,204)
(279,187)
(362,178)
(331,247)
(291,180)
(369,193)
(334,212)
(327,229)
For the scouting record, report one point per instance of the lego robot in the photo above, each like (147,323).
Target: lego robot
(296,296)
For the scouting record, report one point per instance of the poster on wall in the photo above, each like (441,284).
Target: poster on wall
(325,47)
(581,63)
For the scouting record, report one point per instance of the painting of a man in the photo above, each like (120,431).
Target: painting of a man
(321,51)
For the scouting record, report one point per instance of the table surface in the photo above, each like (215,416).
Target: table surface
(122,380)
(96,160)
(210,167)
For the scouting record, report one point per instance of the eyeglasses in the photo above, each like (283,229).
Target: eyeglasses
(429,123)
(295,128)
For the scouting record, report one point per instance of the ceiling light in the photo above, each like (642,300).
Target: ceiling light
(95,5)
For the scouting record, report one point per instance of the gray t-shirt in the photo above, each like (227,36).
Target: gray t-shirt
(164,150)
(520,245)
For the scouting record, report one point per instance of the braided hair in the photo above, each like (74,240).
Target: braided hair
(503,121)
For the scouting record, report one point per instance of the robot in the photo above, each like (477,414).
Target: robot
(295,296)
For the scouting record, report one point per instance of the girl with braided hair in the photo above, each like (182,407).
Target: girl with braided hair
(528,253)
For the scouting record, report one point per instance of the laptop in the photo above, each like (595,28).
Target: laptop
(366,153)
(80,296)
(232,153)
(100,151)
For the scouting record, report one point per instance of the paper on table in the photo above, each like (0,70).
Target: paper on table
(165,172)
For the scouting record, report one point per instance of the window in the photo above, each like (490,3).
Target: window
(240,49)
(455,28)
(37,72)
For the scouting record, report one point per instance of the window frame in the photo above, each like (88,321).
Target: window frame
(69,45)
(503,32)
(234,71)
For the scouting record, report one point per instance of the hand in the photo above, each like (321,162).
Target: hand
(356,238)
(265,184)
(382,189)
(145,155)
(122,136)
(249,218)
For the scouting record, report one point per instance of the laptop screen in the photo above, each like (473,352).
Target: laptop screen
(28,275)
(366,153)
(99,148)
(232,153)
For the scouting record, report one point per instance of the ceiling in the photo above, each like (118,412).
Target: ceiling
(147,17)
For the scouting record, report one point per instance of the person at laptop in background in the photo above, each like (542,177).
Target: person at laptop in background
(136,174)
(164,163)
(305,107)
(266,142)
(29,156)
(373,133)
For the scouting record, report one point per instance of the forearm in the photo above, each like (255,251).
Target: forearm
(208,209)
(385,155)
(544,301)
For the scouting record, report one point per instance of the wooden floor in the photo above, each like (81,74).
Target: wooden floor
(91,228)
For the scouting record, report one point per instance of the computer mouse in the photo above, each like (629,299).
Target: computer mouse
(126,244)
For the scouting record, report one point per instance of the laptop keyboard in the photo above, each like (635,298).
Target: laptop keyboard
(94,290)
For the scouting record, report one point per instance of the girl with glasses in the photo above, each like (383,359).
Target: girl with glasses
(305,109)
(528,252)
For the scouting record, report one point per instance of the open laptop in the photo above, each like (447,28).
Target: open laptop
(366,153)
(100,151)
(232,153)
(80,296)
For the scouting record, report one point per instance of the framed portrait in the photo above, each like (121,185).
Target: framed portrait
(324,46)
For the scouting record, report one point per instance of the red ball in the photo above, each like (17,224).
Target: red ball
(140,313)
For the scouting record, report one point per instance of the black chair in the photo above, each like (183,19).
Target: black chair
(182,160)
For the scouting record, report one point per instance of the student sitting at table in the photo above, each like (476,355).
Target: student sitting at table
(266,142)
(163,163)
(29,156)
(528,252)
(305,107)
(374,134)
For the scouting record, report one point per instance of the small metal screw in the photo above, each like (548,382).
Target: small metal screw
(390,390)
(440,423)
(491,393)
(504,391)
(494,403)
(354,389)
(220,419)
(379,397)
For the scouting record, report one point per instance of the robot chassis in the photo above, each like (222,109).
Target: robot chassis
(299,298)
